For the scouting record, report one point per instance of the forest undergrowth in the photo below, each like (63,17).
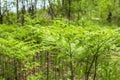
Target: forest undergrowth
(59,51)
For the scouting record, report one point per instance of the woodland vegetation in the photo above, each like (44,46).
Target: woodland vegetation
(59,39)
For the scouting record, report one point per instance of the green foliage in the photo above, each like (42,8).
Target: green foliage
(65,43)
(82,43)
(64,40)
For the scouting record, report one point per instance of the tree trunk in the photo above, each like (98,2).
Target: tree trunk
(23,12)
(35,7)
(32,8)
(17,7)
(63,8)
(7,16)
(1,16)
(69,10)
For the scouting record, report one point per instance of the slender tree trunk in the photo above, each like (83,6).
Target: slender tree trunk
(44,2)
(63,8)
(32,9)
(23,12)
(35,7)
(69,10)
(88,69)
(95,67)
(17,7)
(47,60)
(1,16)
(7,12)
(15,70)
(32,13)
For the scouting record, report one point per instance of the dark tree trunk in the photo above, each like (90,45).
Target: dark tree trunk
(35,8)
(32,9)
(23,12)
(32,13)
(17,7)
(7,12)
(1,16)
(63,7)
(69,10)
